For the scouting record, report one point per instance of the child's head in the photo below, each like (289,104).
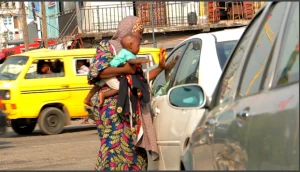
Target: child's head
(131,43)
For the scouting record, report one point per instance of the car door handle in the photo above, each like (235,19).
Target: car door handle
(206,136)
(65,85)
(243,115)
(157,111)
(210,122)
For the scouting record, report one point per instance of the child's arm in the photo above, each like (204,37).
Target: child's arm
(138,61)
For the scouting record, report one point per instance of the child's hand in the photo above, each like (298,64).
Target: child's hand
(101,98)
(145,61)
(88,103)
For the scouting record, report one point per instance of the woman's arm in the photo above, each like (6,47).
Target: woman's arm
(110,72)
(153,73)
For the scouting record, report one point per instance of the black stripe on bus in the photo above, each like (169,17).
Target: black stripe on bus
(55,90)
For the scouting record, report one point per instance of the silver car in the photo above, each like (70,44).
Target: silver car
(253,119)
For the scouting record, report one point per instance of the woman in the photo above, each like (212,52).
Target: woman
(118,150)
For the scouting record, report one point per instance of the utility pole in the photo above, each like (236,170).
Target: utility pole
(25,27)
(33,11)
(152,23)
(78,14)
(36,20)
(44,24)
(1,41)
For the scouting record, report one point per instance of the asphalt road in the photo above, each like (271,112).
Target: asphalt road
(74,149)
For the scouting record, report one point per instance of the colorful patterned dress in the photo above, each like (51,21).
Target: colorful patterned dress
(117,150)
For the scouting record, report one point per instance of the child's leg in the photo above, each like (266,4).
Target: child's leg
(109,93)
(114,84)
(92,92)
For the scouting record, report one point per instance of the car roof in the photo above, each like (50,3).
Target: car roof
(224,35)
(78,52)
(58,53)
(229,34)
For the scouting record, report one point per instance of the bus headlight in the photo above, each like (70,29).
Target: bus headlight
(6,95)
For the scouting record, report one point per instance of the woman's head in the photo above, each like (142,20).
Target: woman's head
(129,25)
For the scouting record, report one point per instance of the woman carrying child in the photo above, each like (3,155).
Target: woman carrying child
(119,150)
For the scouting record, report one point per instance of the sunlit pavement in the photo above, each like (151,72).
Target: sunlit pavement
(75,149)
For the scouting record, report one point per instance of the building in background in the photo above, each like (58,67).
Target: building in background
(10,24)
(52,9)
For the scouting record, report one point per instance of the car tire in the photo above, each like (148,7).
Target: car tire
(51,121)
(21,127)
(182,168)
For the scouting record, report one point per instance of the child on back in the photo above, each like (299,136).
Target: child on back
(131,47)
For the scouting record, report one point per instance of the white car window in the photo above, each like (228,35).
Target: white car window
(161,83)
(223,50)
(188,70)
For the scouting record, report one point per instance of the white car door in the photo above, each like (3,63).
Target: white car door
(159,91)
(171,123)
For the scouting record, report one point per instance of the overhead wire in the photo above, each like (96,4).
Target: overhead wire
(61,34)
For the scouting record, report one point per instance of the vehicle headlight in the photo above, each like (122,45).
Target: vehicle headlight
(6,95)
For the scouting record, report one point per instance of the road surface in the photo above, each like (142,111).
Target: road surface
(75,149)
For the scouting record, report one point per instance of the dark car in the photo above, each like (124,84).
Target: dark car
(3,123)
(3,119)
(252,120)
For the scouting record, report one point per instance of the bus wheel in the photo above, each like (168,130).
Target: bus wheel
(23,126)
(51,120)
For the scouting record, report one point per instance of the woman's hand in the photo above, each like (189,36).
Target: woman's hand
(162,60)
(161,66)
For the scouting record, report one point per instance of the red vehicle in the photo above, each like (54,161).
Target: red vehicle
(4,53)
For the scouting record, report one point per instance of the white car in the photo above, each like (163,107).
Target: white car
(198,59)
